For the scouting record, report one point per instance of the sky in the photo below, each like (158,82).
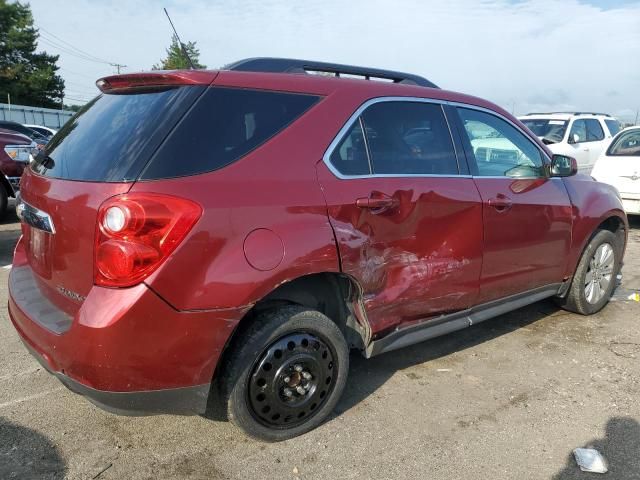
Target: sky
(525,55)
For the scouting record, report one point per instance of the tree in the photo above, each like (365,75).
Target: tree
(29,77)
(176,59)
(73,108)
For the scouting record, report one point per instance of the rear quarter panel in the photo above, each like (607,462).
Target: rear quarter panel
(592,203)
(274,193)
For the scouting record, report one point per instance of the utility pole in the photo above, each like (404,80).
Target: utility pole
(118,66)
(9,103)
(636,120)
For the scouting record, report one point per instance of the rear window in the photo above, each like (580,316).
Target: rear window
(223,126)
(112,137)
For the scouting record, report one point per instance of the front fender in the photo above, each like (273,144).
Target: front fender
(593,203)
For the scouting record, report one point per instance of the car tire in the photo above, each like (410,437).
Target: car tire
(285,374)
(4,201)
(596,275)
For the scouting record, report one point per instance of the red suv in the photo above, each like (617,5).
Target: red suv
(236,233)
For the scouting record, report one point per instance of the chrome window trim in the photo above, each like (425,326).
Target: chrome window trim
(355,116)
(366,143)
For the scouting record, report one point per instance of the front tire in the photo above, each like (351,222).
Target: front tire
(285,374)
(595,277)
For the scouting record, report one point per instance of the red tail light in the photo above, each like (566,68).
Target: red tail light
(136,233)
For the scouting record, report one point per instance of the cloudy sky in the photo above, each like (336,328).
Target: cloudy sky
(524,55)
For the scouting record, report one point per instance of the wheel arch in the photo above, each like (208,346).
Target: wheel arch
(335,294)
(614,221)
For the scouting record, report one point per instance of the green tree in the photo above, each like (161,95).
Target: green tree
(73,108)
(176,59)
(29,77)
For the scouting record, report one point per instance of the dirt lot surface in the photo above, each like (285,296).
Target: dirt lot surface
(507,399)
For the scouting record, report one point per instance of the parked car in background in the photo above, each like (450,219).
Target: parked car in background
(583,136)
(46,131)
(38,138)
(16,151)
(619,166)
(307,215)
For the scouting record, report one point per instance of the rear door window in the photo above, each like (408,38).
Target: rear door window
(408,138)
(594,130)
(222,127)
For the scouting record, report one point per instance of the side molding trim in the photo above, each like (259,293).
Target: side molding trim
(457,321)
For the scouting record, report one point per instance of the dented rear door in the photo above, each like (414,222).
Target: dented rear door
(413,241)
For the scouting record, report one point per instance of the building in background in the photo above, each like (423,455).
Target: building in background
(47,117)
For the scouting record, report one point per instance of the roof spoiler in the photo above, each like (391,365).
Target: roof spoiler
(291,65)
(156,78)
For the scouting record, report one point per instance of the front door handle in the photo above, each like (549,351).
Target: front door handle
(500,202)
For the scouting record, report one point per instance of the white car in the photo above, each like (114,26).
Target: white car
(49,132)
(619,166)
(583,136)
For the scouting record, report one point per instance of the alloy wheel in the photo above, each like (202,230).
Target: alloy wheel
(600,273)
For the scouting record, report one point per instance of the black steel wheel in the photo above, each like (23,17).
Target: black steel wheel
(285,373)
(291,379)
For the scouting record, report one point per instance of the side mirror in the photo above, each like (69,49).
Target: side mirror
(563,166)
(574,138)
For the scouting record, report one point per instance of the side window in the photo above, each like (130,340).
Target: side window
(499,148)
(350,156)
(409,138)
(627,144)
(223,126)
(579,128)
(613,126)
(594,130)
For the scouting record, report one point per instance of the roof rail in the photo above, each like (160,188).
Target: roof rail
(291,65)
(569,113)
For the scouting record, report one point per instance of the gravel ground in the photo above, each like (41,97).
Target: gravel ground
(509,398)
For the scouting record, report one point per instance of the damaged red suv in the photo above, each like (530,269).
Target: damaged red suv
(236,233)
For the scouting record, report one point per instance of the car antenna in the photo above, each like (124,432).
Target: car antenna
(175,32)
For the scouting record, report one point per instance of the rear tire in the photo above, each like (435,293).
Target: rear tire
(286,374)
(595,277)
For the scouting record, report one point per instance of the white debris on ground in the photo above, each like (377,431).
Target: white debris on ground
(590,460)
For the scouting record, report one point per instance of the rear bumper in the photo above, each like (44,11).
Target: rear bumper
(176,401)
(127,350)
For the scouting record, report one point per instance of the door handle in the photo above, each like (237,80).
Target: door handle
(500,202)
(375,203)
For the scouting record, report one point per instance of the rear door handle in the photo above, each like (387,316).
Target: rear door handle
(375,203)
(500,202)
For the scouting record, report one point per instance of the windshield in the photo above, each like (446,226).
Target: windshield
(547,128)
